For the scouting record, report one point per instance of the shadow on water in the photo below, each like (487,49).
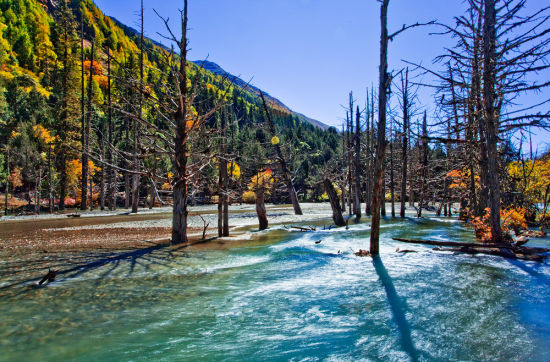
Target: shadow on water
(398,308)
(541,278)
(157,254)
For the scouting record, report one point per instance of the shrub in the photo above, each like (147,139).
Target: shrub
(249,197)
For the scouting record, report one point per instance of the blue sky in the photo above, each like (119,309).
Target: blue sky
(307,53)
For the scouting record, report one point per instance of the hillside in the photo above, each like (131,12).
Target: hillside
(274,102)
(218,70)
(45,87)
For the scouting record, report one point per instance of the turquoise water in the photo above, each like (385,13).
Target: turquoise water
(280,296)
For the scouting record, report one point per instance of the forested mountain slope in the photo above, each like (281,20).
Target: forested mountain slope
(49,85)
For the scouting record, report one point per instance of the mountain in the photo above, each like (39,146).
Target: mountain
(273,102)
(218,70)
(42,92)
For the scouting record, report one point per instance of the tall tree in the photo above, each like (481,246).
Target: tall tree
(357,165)
(287,177)
(83,138)
(383,85)
(405,140)
(65,44)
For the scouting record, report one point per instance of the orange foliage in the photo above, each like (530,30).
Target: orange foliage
(97,69)
(262,180)
(15,178)
(102,81)
(74,172)
(513,219)
(482,227)
(460,179)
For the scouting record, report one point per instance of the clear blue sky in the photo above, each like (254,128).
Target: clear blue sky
(307,53)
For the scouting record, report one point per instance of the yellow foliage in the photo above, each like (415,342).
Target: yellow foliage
(236,170)
(43,134)
(249,197)
(74,172)
(532,179)
(275,140)
(262,180)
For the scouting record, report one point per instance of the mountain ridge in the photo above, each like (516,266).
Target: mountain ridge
(218,70)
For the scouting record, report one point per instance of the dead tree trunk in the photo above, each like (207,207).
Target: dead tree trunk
(369,160)
(383,86)
(490,117)
(349,121)
(286,172)
(103,173)
(343,184)
(223,228)
(423,165)
(260,209)
(405,144)
(357,165)
(334,203)
(136,151)
(50,180)
(86,132)
(392,185)
(179,211)
(127,191)
(7,181)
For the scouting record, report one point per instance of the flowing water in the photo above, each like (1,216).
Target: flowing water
(281,296)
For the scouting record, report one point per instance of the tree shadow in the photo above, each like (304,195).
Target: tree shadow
(540,277)
(398,308)
(156,254)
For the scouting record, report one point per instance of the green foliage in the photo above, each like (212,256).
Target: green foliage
(40,69)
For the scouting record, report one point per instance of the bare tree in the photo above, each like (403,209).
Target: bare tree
(282,162)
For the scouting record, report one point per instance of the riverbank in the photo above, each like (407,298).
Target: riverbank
(120,230)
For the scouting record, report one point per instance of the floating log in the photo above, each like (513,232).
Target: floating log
(503,250)
(300,228)
(505,253)
(447,243)
(404,251)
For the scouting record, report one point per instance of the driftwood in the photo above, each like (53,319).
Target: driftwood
(205,227)
(303,229)
(73,215)
(362,252)
(504,250)
(50,277)
(404,251)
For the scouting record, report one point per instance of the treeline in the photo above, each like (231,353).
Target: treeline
(79,95)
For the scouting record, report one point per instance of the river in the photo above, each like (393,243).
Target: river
(279,295)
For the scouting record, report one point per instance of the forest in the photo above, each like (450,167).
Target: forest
(98,121)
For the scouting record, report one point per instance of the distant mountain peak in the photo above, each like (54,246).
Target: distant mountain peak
(273,102)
